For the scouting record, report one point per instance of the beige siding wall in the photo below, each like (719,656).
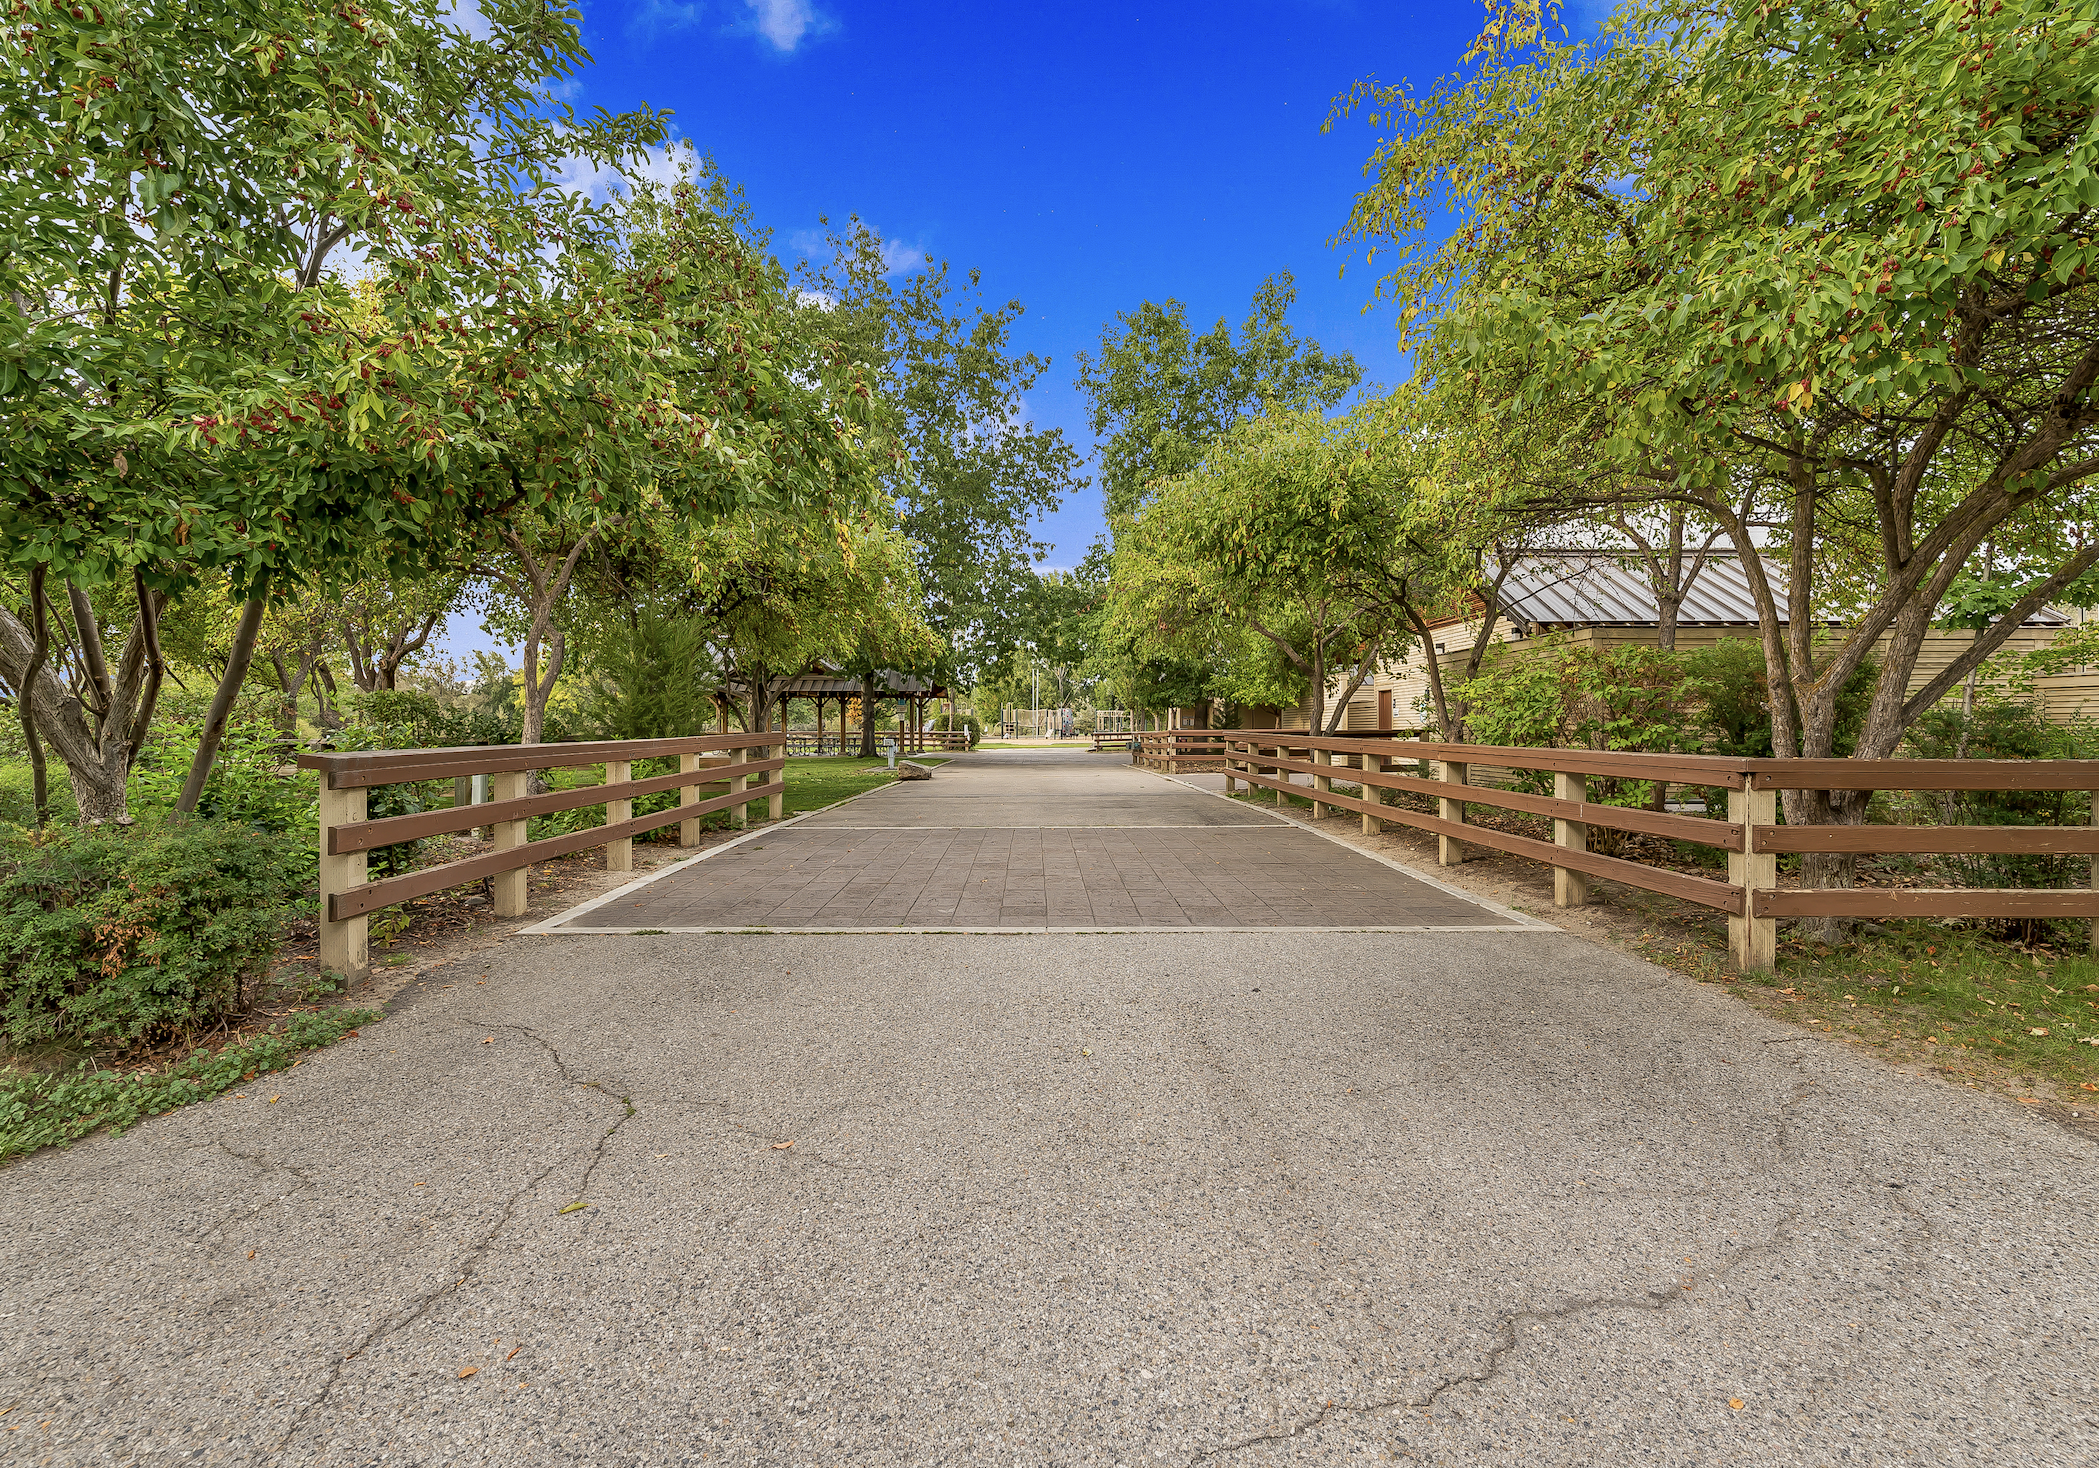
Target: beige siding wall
(2069,696)
(2078,693)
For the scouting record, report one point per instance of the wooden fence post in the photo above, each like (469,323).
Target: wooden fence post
(1375,794)
(1230,784)
(2093,878)
(689,828)
(740,812)
(1321,784)
(510,887)
(1570,888)
(1752,940)
(1450,851)
(1282,795)
(619,855)
(345,945)
(776,804)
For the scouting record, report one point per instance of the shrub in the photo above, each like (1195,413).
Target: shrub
(650,679)
(252,782)
(113,935)
(52,1110)
(971,722)
(407,719)
(1569,696)
(18,789)
(1734,698)
(2003,728)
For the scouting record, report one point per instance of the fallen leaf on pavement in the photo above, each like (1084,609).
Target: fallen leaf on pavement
(275,1099)
(251,1253)
(782,1146)
(1735,1402)
(469,1371)
(490,1040)
(513,1354)
(579,1203)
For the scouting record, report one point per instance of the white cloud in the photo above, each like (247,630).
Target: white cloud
(467,16)
(823,300)
(899,257)
(653,17)
(663,166)
(786,22)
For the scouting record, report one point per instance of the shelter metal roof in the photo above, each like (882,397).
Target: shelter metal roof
(1601,588)
(888,684)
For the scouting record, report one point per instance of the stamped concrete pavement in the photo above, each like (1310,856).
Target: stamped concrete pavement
(1294,1197)
(1036,841)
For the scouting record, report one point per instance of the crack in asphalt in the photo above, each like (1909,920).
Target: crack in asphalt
(262,1161)
(464,1269)
(1508,1327)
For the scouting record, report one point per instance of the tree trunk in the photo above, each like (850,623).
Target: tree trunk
(1317,673)
(39,784)
(214,731)
(97,747)
(1669,608)
(867,717)
(326,701)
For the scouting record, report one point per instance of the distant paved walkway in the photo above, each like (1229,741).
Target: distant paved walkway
(1035,841)
(1290,1196)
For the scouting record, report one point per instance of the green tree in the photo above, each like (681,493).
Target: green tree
(969,472)
(190,393)
(1282,552)
(1160,394)
(784,592)
(1819,272)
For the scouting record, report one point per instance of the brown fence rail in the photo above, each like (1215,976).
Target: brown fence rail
(1750,835)
(747,768)
(914,741)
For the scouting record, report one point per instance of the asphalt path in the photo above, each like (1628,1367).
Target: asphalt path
(1486,1197)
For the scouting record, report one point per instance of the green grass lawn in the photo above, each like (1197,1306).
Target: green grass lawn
(1955,993)
(815,781)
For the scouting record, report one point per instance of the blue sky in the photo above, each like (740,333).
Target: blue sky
(1084,158)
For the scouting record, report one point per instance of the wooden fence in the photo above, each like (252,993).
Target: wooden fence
(913,741)
(1180,749)
(748,767)
(1750,835)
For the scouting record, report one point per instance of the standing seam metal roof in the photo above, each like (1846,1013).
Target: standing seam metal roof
(1590,588)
